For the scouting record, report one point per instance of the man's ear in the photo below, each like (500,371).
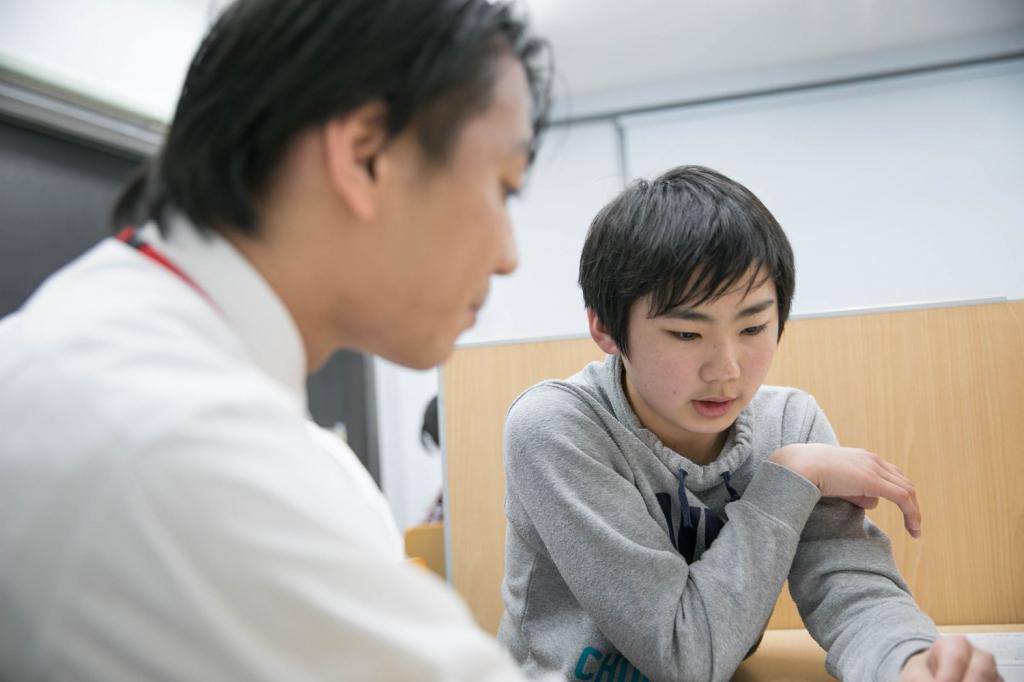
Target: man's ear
(602,337)
(351,145)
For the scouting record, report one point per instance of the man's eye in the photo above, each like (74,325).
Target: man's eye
(754,331)
(509,191)
(686,336)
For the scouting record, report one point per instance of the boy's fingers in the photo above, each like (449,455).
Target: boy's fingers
(895,477)
(954,658)
(982,667)
(894,474)
(907,502)
(863,501)
(932,660)
(895,469)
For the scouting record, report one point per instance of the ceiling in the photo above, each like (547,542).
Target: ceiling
(613,55)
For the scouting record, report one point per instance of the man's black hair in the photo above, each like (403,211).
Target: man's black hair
(686,238)
(269,69)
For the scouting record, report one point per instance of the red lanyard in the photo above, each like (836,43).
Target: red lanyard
(129,236)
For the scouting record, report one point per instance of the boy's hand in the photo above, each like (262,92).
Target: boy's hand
(854,475)
(950,659)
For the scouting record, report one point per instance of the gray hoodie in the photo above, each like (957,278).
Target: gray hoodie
(626,561)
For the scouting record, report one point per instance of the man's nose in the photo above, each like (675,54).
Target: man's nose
(508,259)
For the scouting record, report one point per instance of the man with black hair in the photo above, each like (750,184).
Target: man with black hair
(335,176)
(658,500)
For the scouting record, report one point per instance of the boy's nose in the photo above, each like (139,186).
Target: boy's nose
(721,366)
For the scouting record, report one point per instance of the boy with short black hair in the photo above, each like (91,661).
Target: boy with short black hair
(657,501)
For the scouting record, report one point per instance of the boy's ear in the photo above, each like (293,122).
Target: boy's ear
(602,337)
(351,145)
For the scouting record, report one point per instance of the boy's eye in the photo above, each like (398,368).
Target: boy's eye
(754,331)
(509,191)
(686,336)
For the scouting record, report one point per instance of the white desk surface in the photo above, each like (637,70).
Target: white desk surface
(792,656)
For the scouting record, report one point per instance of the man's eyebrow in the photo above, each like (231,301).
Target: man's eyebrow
(694,316)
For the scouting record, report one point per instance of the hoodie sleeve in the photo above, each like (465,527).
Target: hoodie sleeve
(846,585)
(570,490)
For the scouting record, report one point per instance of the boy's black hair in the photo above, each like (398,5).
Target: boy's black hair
(686,238)
(269,69)
(430,432)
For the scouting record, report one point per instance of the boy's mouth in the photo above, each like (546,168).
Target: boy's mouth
(713,408)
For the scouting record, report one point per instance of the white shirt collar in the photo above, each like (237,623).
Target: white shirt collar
(246,301)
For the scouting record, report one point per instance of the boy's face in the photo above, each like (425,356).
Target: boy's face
(691,371)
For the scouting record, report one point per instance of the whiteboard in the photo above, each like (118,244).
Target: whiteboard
(576,173)
(896,191)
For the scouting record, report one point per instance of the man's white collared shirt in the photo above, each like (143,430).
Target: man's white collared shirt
(167,511)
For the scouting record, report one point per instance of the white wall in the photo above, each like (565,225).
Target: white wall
(900,191)
(576,172)
(410,475)
(123,52)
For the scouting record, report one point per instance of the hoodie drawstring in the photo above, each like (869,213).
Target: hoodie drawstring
(733,495)
(684,505)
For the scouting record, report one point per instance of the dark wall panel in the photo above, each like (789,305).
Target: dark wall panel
(55,198)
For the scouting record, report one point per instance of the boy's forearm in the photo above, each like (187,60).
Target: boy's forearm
(852,597)
(877,644)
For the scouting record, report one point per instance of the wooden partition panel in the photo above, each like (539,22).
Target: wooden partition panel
(939,392)
(478,385)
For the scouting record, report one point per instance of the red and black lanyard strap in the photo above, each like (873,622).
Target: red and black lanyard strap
(130,237)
